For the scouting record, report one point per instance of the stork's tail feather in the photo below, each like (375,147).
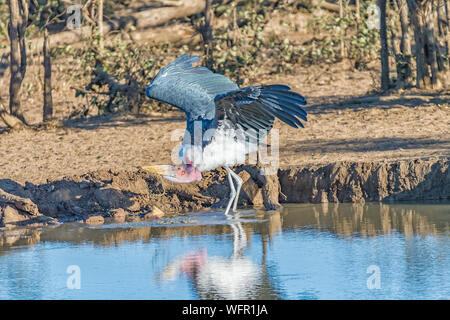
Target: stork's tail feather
(284,104)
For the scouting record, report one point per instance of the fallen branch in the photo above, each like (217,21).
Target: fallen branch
(177,34)
(140,20)
(171,3)
(328,6)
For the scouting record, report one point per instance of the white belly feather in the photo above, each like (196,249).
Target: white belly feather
(223,150)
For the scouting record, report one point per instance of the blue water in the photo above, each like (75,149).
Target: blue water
(346,251)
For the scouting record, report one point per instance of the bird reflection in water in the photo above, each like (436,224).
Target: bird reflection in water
(233,277)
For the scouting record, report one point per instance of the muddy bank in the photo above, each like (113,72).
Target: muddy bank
(136,194)
(373,181)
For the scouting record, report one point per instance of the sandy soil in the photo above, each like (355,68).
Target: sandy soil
(410,126)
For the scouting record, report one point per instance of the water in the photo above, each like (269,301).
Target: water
(345,251)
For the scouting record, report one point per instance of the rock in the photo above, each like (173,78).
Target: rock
(95,220)
(271,192)
(134,206)
(62,195)
(61,207)
(29,185)
(135,185)
(85,184)
(250,190)
(118,215)
(15,210)
(9,214)
(49,220)
(77,210)
(49,209)
(23,204)
(40,221)
(111,198)
(155,214)
(12,217)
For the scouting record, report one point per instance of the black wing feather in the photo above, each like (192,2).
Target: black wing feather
(256,107)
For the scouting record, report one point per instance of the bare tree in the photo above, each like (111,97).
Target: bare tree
(357,14)
(401,45)
(405,44)
(47,15)
(443,23)
(447,28)
(18,11)
(342,40)
(206,31)
(48,101)
(384,46)
(100,26)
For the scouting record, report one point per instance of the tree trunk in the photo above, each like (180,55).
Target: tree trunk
(427,50)
(342,40)
(100,26)
(207,34)
(358,14)
(384,46)
(404,68)
(447,28)
(18,11)
(441,31)
(439,24)
(432,49)
(421,69)
(48,102)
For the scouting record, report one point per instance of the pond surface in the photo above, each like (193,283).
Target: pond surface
(334,251)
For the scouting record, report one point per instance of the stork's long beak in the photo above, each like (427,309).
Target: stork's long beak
(162,170)
(169,172)
(165,170)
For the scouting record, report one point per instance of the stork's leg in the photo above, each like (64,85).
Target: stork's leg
(232,190)
(238,189)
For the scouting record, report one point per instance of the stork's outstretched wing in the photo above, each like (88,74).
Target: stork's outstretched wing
(191,89)
(211,97)
(254,108)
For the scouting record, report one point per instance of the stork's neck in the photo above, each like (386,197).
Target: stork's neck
(195,131)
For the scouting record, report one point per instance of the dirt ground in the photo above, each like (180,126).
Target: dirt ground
(345,123)
(355,147)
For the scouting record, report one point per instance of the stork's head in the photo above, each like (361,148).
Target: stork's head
(180,174)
